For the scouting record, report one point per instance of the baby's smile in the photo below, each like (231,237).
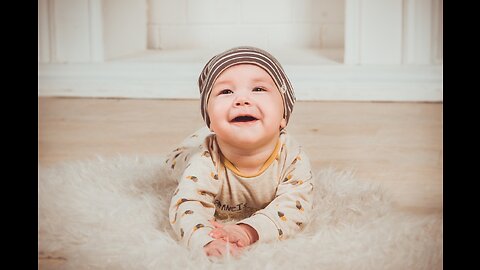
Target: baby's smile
(244,118)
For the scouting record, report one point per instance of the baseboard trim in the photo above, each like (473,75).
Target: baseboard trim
(178,80)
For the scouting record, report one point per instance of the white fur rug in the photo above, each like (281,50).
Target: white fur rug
(113,214)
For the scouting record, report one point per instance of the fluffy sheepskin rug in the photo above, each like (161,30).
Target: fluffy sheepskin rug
(113,214)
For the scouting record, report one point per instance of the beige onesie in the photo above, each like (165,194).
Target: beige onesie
(276,202)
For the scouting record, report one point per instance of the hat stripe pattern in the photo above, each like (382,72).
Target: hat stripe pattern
(245,55)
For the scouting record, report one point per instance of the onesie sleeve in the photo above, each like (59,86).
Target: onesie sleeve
(292,206)
(192,204)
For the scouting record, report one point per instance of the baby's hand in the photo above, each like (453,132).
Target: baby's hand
(242,235)
(218,248)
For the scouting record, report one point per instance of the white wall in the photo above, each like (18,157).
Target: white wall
(423,32)
(394,32)
(393,48)
(189,24)
(125,27)
(86,31)
(381,39)
(64,31)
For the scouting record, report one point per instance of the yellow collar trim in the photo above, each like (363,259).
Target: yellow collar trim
(267,163)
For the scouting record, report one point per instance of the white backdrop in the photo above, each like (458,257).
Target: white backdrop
(332,50)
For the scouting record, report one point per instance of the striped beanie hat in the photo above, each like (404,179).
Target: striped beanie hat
(245,55)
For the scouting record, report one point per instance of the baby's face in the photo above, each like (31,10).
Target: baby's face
(245,107)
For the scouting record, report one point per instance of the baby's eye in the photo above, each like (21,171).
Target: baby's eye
(258,89)
(225,92)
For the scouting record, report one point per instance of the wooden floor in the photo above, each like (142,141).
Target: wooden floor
(396,144)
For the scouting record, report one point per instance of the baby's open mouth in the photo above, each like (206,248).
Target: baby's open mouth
(244,118)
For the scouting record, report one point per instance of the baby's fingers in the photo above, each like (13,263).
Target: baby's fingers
(235,251)
(216,224)
(213,252)
(218,233)
(240,243)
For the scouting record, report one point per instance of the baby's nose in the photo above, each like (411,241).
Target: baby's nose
(242,101)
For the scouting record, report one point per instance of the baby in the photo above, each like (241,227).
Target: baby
(244,169)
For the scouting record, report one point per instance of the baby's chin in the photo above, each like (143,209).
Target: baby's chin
(250,139)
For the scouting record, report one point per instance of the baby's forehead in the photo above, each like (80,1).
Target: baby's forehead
(244,71)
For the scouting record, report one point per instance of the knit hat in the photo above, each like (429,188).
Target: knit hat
(245,55)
